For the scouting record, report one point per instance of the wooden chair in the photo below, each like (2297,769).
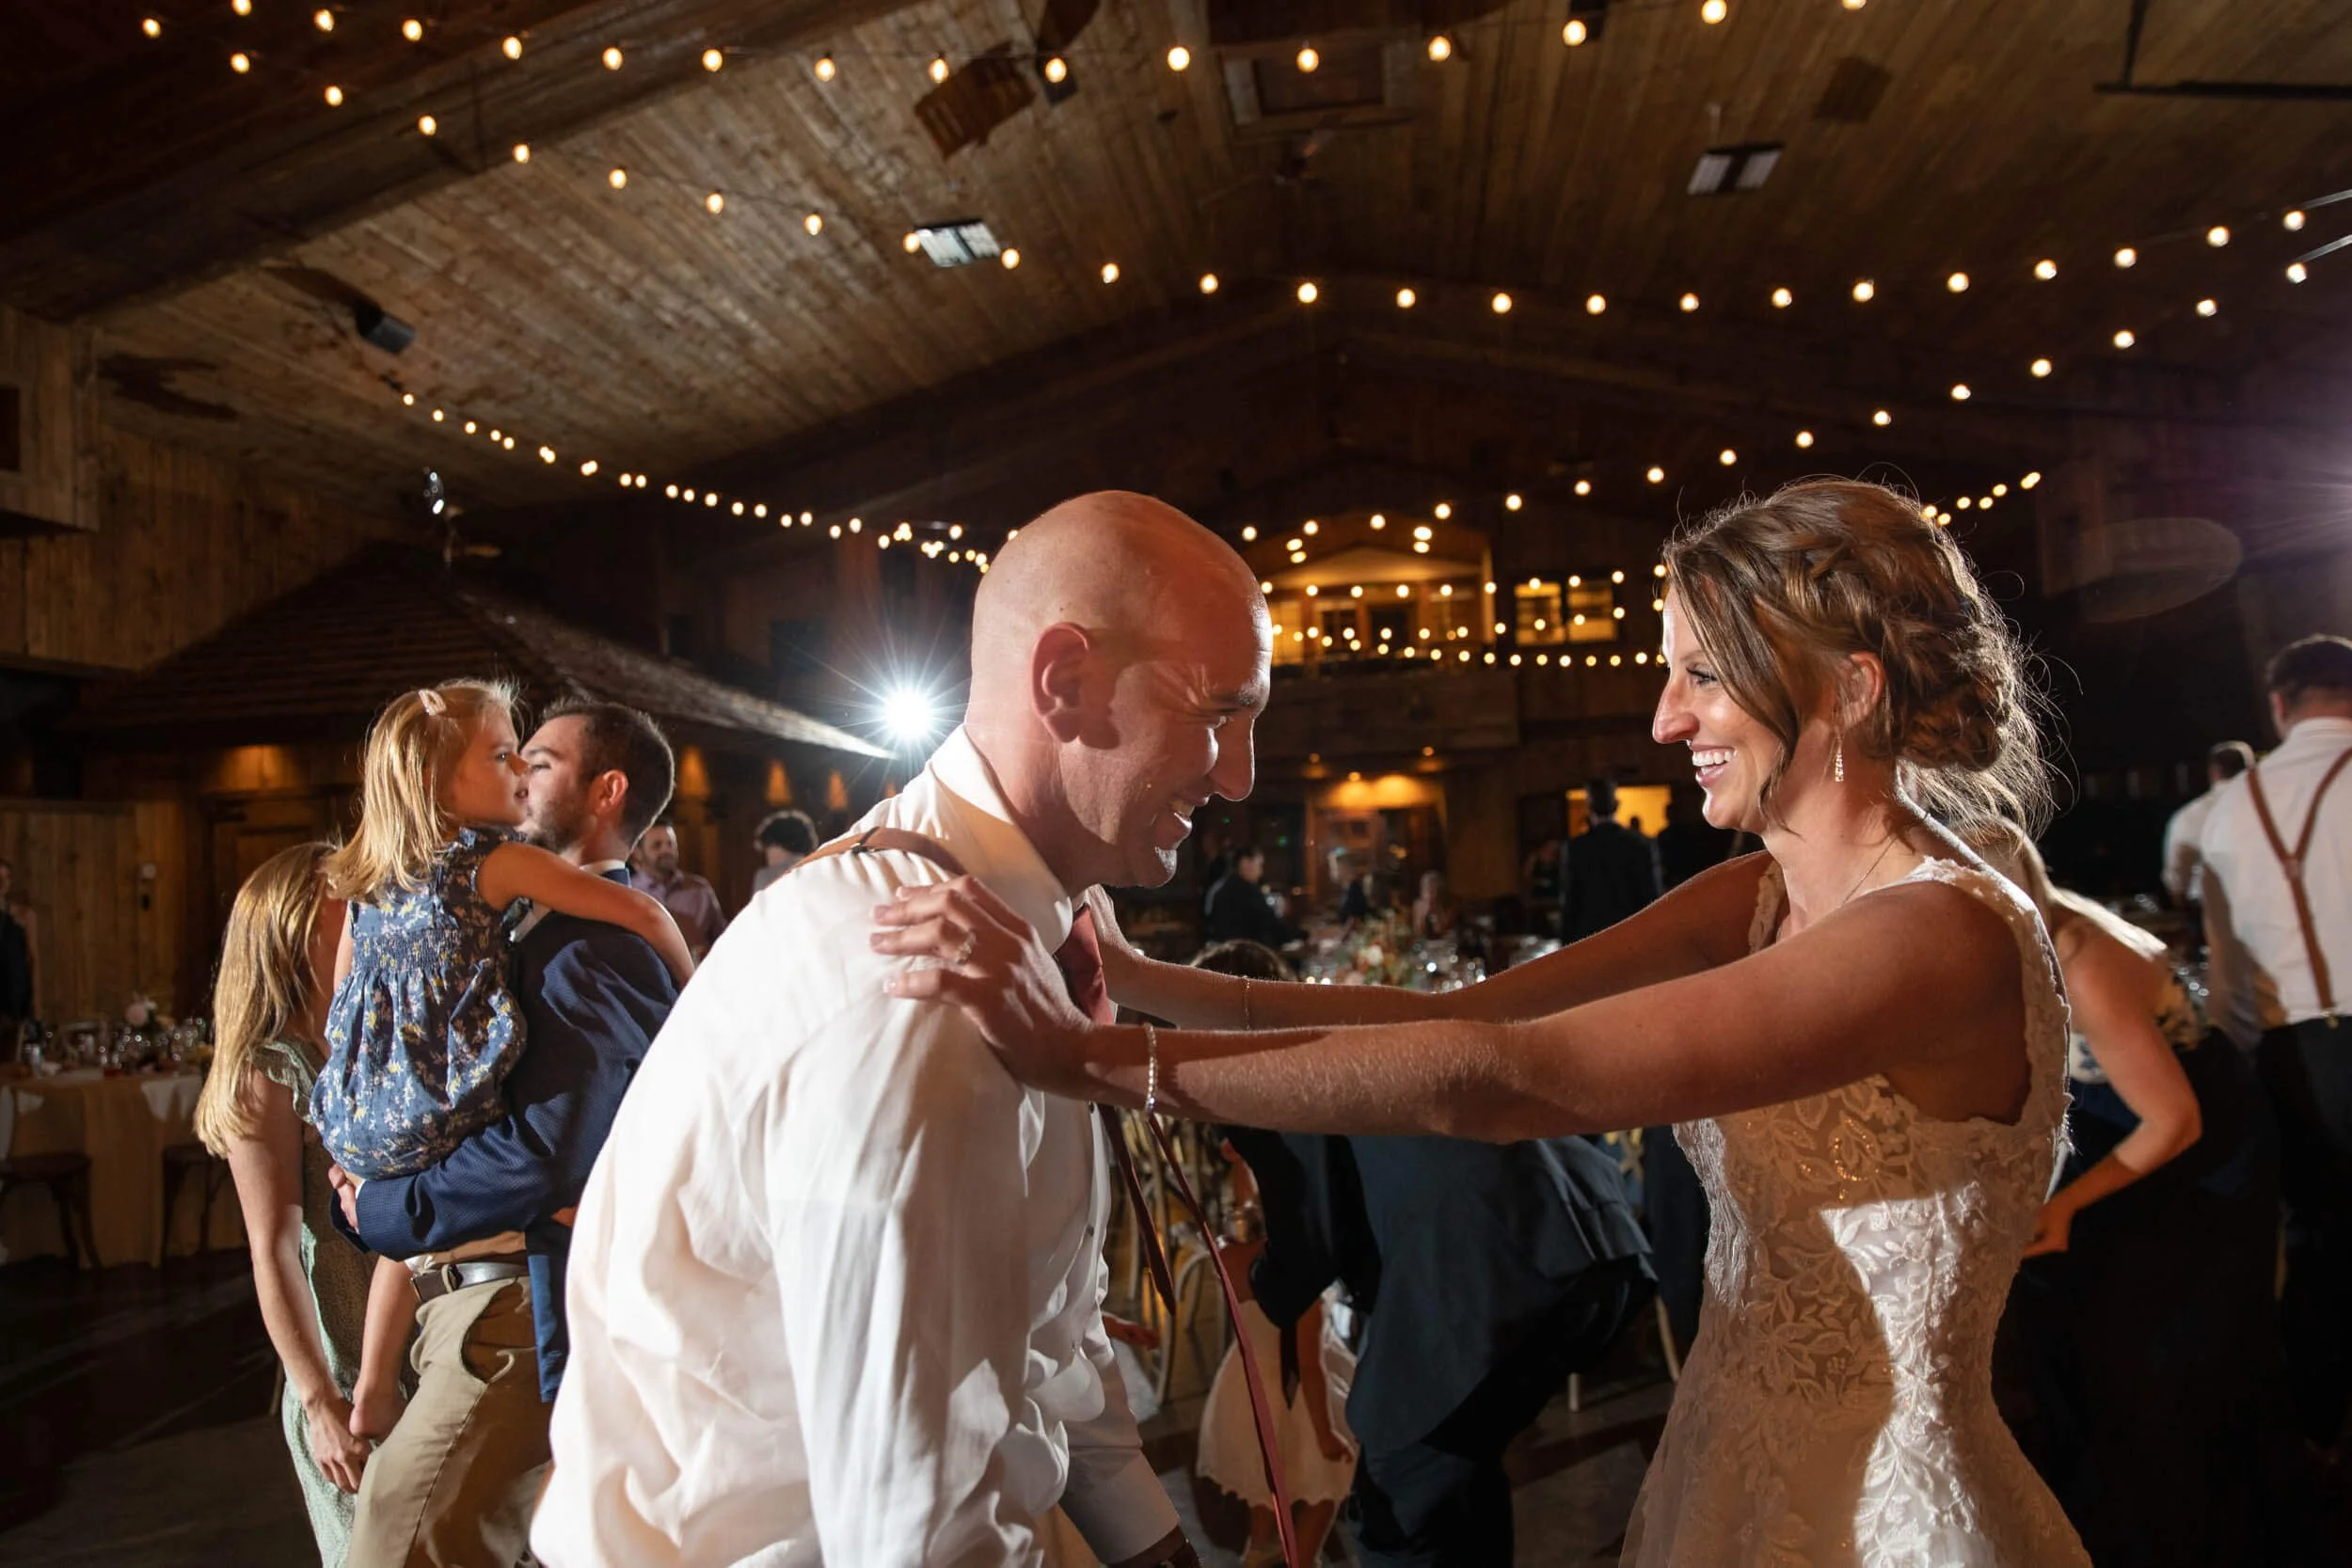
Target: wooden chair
(67,1177)
(180,1161)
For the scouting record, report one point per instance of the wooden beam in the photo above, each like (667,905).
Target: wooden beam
(146,172)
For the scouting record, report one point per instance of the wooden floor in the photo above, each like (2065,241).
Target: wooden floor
(136,1431)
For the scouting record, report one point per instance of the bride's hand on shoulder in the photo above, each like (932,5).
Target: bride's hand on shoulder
(987,960)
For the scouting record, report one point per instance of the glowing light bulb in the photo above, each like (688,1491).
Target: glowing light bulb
(1714,12)
(1513,502)
(2297,272)
(1440,48)
(1575,33)
(512,48)
(1011,259)
(824,70)
(1595,304)
(1882,419)
(716,203)
(1406,299)
(2046,269)
(334,97)
(1782,299)
(619,179)
(2127,257)
(240,63)
(815,224)
(2208,306)
(1179,57)
(910,243)
(427,125)
(1863,292)
(2124,338)
(1583,486)
(1308,293)
(151,27)
(1960,391)
(1110,271)
(611,58)
(2029,481)
(2217,236)
(1308,58)
(1690,303)
(1500,304)
(1656,475)
(1726,457)
(588,469)
(1957,283)
(1441,511)
(1804,437)
(1056,69)
(939,68)
(2293,221)
(323,19)
(1208,282)
(2041,368)
(523,152)
(412,29)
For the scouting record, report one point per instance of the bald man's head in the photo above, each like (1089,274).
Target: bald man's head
(1119,659)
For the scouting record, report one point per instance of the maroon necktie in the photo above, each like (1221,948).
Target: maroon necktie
(1080,959)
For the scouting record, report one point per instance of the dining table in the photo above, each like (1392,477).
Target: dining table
(124,1122)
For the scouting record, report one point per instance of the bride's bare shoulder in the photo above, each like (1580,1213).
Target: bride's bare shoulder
(1717,908)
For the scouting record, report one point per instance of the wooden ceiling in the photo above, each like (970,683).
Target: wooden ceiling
(635,327)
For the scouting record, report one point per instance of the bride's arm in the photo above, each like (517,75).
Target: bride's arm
(1699,925)
(1925,977)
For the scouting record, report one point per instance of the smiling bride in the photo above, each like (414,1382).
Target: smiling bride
(1859,1032)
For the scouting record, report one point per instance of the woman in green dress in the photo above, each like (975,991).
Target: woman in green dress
(269,1010)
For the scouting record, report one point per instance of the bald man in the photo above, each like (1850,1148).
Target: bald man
(836,1281)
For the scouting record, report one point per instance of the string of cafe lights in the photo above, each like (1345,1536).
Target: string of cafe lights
(1054,65)
(1440,48)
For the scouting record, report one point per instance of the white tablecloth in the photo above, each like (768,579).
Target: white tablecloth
(124,1125)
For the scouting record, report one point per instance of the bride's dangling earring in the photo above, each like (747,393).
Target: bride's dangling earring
(1842,760)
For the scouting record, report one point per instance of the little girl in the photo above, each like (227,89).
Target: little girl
(424,1027)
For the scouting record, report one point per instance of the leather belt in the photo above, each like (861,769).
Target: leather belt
(448,1278)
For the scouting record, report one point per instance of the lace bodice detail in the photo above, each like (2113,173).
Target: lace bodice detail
(1837,1407)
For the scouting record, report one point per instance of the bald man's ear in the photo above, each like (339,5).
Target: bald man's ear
(1057,665)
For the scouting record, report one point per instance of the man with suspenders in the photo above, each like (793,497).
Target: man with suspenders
(2278,895)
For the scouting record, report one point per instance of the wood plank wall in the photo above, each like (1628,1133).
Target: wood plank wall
(182,542)
(45,398)
(101,932)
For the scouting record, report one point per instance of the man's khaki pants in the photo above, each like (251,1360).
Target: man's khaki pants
(455,1484)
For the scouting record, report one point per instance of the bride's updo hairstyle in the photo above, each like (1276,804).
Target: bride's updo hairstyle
(1781,590)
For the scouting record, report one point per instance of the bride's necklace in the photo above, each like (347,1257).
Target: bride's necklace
(1869,871)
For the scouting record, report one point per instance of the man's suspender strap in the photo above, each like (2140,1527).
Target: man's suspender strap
(2291,862)
(1147,1234)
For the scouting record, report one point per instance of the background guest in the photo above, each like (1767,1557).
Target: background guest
(1239,908)
(2183,864)
(1689,844)
(16,957)
(784,839)
(1434,914)
(276,966)
(1318,1454)
(2277,898)
(1355,885)
(690,899)
(2144,1313)
(1611,871)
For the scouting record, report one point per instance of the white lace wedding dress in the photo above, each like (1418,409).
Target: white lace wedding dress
(1837,1408)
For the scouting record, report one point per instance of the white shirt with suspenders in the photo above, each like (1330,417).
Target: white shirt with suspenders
(2278,855)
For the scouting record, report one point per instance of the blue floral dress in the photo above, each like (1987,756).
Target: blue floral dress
(422,1033)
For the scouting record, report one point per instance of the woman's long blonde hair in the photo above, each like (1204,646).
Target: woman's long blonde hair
(414,743)
(265,985)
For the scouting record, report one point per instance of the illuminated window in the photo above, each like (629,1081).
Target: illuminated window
(1538,617)
(1592,613)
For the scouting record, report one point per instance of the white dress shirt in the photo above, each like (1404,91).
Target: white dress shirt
(837,1283)
(2184,863)
(2262,973)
